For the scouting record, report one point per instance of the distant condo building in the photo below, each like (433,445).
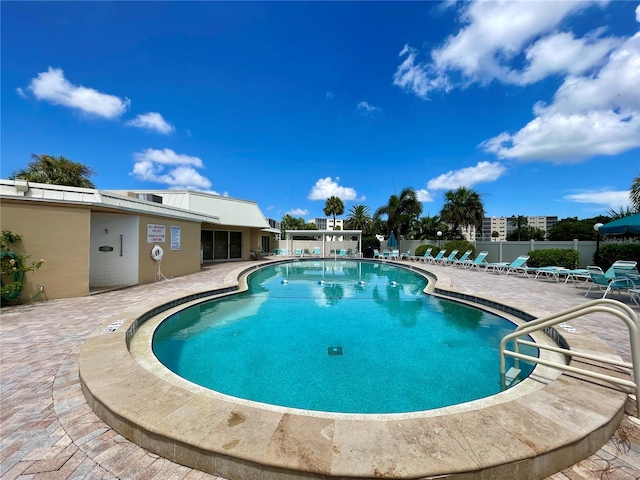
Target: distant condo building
(504,226)
(327,224)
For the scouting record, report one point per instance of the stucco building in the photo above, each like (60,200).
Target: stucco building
(93,240)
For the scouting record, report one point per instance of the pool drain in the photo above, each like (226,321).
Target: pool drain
(335,350)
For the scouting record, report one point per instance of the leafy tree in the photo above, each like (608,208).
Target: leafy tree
(572,228)
(495,234)
(359,218)
(290,223)
(518,222)
(463,208)
(527,232)
(401,211)
(55,171)
(635,193)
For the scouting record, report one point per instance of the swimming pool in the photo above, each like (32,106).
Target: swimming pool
(337,336)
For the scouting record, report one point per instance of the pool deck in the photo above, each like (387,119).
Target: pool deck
(48,430)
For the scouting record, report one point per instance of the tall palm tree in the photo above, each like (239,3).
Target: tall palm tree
(635,193)
(518,222)
(359,218)
(401,211)
(333,206)
(55,171)
(463,208)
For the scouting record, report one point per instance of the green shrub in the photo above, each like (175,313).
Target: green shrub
(423,248)
(460,245)
(554,257)
(610,252)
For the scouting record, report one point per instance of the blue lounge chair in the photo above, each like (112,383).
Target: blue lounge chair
(376,253)
(438,257)
(476,262)
(519,264)
(394,255)
(316,251)
(450,258)
(620,282)
(463,258)
(342,252)
(426,255)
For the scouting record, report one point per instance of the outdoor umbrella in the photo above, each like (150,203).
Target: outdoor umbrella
(391,241)
(623,226)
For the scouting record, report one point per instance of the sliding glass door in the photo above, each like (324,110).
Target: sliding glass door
(221,245)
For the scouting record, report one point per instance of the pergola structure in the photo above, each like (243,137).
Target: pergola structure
(324,234)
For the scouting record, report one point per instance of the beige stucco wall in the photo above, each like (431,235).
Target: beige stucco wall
(174,262)
(59,235)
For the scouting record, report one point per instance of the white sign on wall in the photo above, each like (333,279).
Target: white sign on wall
(175,238)
(155,233)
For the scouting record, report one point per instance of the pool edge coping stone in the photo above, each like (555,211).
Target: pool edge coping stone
(151,435)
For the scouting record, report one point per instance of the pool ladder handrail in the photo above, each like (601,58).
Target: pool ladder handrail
(620,310)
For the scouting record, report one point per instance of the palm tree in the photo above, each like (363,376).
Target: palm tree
(463,208)
(333,206)
(401,211)
(621,213)
(55,171)
(518,222)
(635,193)
(426,227)
(359,218)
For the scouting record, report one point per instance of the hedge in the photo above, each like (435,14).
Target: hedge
(553,257)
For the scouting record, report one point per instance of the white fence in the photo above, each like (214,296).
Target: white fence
(498,251)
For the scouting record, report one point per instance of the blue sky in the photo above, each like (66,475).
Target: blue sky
(535,105)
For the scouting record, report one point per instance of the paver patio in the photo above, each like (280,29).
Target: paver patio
(47,430)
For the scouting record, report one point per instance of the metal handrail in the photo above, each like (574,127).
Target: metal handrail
(620,310)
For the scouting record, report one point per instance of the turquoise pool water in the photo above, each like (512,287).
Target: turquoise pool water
(338,336)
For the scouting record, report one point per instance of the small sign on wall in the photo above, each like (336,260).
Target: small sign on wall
(155,233)
(175,238)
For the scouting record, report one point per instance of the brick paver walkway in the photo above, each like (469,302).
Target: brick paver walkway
(47,430)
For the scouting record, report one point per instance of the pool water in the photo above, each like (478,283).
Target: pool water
(339,336)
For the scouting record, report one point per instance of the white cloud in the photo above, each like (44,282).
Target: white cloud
(612,199)
(494,34)
(419,79)
(326,187)
(562,54)
(298,212)
(151,121)
(329,95)
(483,172)
(590,115)
(53,87)
(367,107)
(21,93)
(596,110)
(169,168)
(424,195)
(168,157)
(638,13)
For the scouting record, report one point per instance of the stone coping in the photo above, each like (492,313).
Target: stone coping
(538,427)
